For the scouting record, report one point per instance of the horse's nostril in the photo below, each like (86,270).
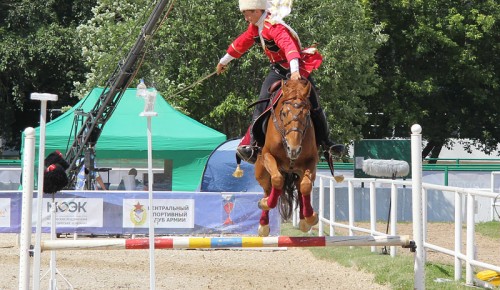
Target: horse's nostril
(293,153)
(297,151)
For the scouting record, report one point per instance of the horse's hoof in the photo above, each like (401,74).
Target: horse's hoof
(304,226)
(262,204)
(264,230)
(312,220)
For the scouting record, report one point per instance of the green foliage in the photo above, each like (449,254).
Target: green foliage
(348,43)
(440,68)
(38,53)
(107,38)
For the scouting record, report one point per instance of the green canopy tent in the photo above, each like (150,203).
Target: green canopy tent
(177,140)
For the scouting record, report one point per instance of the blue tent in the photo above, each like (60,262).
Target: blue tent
(218,173)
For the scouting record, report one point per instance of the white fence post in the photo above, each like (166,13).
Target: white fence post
(321,206)
(458,235)
(332,208)
(350,198)
(373,212)
(416,164)
(394,215)
(28,186)
(469,270)
(424,220)
(351,208)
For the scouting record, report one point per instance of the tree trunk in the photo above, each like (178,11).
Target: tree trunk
(434,148)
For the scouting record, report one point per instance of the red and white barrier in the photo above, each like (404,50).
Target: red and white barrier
(224,242)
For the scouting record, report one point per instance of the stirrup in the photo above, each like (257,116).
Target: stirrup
(332,149)
(337,150)
(248,153)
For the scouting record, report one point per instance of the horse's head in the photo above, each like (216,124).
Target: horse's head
(293,115)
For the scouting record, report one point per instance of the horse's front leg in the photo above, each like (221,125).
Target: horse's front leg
(310,218)
(277,182)
(264,180)
(264,228)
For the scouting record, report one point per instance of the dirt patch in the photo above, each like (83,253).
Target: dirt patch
(294,268)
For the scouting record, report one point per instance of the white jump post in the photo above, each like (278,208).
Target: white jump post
(28,185)
(43,98)
(148,112)
(416,169)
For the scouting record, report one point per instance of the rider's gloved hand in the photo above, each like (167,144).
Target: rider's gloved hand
(295,76)
(221,68)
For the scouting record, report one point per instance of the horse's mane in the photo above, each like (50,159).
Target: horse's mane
(296,89)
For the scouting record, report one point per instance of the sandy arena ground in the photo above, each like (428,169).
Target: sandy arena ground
(293,268)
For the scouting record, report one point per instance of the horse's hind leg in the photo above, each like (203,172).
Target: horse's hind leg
(308,217)
(303,226)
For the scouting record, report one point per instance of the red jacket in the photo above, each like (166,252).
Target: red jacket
(280,47)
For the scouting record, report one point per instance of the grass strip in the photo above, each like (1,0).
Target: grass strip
(395,272)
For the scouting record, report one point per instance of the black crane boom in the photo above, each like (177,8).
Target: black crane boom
(92,126)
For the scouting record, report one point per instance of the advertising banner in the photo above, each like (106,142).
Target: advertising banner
(124,212)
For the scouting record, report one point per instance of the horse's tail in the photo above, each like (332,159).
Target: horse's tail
(288,196)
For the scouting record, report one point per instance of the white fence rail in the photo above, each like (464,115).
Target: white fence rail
(465,206)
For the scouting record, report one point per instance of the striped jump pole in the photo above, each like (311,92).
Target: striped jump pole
(225,242)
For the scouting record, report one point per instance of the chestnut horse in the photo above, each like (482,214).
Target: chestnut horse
(289,157)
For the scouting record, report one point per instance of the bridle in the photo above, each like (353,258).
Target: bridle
(303,117)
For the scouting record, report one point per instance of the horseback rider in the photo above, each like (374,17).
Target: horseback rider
(282,46)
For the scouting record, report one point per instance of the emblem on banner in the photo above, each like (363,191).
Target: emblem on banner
(138,214)
(228,207)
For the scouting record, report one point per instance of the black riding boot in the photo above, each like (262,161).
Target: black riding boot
(322,133)
(248,152)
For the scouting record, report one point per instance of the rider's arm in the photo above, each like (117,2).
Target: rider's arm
(294,65)
(226,59)
(243,42)
(223,62)
(294,69)
(238,47)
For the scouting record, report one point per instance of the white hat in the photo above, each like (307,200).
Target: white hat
(253,5)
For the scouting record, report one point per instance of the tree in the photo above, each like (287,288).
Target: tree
(196,34)
(440,68)
(38,53)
